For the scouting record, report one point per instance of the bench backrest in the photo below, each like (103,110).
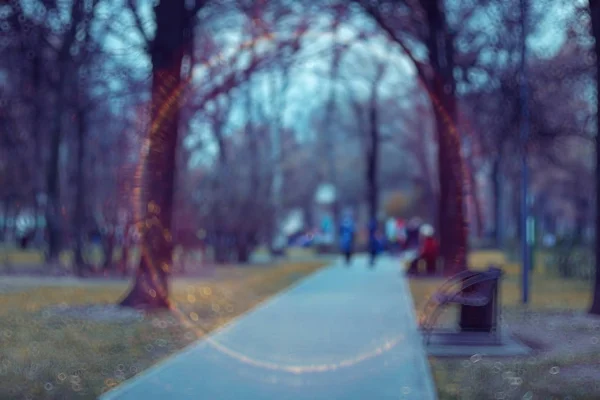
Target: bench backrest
(484,283)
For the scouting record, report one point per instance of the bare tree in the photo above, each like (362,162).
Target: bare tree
(437,77)
(167,49)
(594,9)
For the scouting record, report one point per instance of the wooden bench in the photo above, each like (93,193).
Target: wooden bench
(476,292)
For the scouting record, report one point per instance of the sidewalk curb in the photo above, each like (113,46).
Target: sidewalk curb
(431,391)
(122,389)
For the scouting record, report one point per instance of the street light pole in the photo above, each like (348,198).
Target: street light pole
(525,231)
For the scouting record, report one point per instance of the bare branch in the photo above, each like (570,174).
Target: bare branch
(138,22)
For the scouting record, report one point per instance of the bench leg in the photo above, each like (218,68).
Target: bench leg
(431,321)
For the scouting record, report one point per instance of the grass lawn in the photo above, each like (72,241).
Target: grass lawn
(23,259)
(46,354)
(565,363)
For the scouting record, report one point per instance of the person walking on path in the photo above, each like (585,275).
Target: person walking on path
(428,252)
(412,234)
(347,232)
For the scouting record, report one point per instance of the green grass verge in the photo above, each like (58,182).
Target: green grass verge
(57,357)
(537,376)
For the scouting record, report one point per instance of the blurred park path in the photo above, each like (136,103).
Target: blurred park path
(342,333)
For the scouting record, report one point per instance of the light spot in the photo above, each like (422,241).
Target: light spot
(554,370)
(516,381)
(507,374)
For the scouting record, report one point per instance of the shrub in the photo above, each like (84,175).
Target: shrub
(570,260)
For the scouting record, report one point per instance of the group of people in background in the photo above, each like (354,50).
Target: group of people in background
(415,238)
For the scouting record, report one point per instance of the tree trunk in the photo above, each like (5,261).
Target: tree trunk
(595,17)
(108,244)
(452,223)
(220,250)
(242,249)
(373,158)
(53,223)
(330,156)
(516,208)
(124,267)
(7,203)
(36,129)
(80,193)
(475,199)
(247,219)
(150,288)
(52,183)
(582,205)
(496,177)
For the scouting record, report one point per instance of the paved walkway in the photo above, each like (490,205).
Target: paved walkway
(343,333)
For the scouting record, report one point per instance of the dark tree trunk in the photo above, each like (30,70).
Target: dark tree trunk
(247,219)
(243,249)
(218,188)
(582,205)
(53,219)
(151,287)
(38,144)
(108,244)
(332,174)
(498,231)
(373,151)
(52,183)
(80,193)
(220,248)
(595,17)
(516,207)
(124,267)
(5,212)
(475,199)
(452,223)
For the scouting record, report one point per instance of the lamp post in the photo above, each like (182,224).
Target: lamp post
(526,240)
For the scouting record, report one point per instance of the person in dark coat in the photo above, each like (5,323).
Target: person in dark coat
(412,234)
(347,232)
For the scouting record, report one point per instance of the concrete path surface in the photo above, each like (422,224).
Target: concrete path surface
(342,333)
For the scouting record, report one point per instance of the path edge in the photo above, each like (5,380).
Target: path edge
(119,390)
(424,363)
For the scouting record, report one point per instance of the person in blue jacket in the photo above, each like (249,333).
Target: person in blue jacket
(347,231)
